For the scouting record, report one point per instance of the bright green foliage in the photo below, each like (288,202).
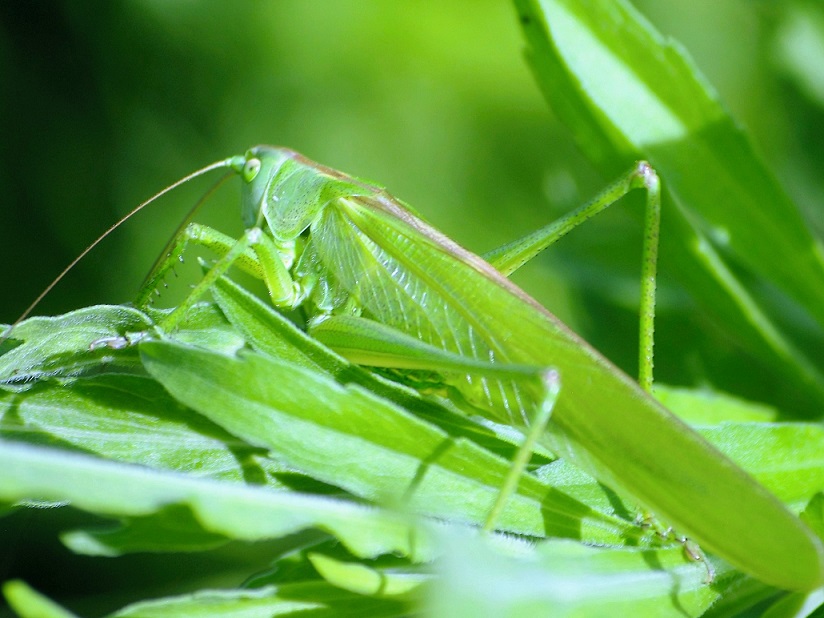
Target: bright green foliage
(332,490)
(28,602)
(627,93)
(566,579)
(378,451)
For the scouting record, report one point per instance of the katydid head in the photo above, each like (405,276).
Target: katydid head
(286,190)
(256,168)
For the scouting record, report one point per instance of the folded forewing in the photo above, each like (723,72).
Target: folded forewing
(398,276)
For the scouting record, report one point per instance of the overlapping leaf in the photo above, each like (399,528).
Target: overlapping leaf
(627,93)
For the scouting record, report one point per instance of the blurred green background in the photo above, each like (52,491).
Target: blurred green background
(104,103)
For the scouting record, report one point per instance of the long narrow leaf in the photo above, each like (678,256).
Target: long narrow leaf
(378,451)
(235,511)
(558,578)
(628,93)
(126,418)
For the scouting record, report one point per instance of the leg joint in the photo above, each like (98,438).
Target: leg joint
(645,176)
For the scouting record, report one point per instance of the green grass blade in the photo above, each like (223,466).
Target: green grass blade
(367,580)
(558,578)
(126,418)
(28,603)
(268,331)
(381,452)
(814,514)
(797,605)
(787,458)
(784,457)
(169,529)
(627,93)
(642,95)
(315,598)
(707,407)
(234,511)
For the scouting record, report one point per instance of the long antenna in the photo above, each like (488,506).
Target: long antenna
(129,215)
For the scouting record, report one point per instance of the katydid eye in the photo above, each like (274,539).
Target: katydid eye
(251,169)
